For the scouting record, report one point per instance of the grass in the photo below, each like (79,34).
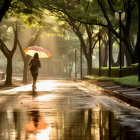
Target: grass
(102,78)
(128,81)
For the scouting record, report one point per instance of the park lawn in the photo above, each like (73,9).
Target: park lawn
(102,78)
(128,81)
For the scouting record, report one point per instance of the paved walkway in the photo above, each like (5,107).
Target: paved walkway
(5,97)
(128,95)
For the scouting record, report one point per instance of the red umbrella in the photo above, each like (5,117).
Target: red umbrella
(43,53)
(36,122)
(30,127)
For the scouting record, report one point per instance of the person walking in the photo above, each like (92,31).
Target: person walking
(34,67)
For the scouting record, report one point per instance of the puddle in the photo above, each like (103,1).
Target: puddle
(90,124)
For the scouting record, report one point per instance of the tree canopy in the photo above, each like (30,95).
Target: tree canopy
(85,18)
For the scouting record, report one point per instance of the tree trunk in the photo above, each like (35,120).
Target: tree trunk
(87,49)
(136,53)
(128,59)
(26,77)
(138,39)
(104,59)
(137,50)
(9,55)
(88,55)
(109,52)
(90,58)
(128,50)
(27,58)
(89,64)
(8,80)
(4,8)
(26,61)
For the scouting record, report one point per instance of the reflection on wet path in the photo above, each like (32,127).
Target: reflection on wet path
(89,124)
(67,114)
(37,128)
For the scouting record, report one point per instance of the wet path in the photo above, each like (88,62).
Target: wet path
(65,110)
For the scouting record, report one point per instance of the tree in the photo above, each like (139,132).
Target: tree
(59,8)
(138,40)
(86,45)
(27,11)
(9,55)
(27,58)
(4,6)
(102,14)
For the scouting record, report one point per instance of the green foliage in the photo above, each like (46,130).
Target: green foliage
(33,12)
(105,79)
(130,70)
(90,77)
(129,81)
(26,10)
(102,78)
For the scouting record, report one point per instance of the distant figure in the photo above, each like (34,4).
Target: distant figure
(34,65)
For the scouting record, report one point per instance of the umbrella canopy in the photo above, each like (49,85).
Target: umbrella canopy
(30,127)
(36,122)
(43,53)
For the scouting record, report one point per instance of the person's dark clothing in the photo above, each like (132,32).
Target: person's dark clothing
(36,63)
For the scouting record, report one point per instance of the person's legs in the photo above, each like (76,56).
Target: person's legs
(34,79)
(32,76)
